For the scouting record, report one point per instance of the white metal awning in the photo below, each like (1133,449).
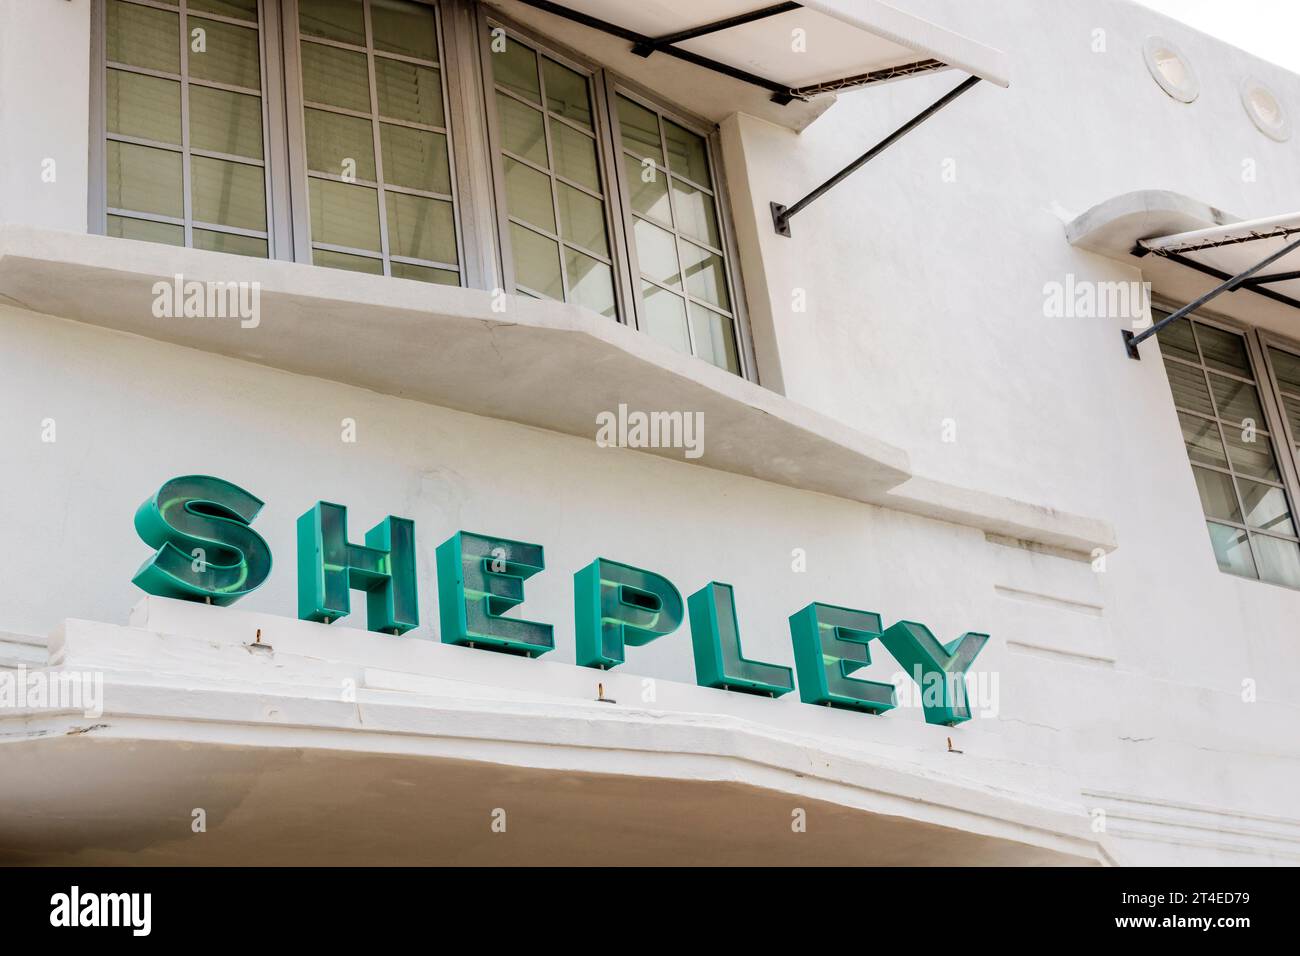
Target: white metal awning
(794,51)
(1232,249)
(1196,253)
(843,42)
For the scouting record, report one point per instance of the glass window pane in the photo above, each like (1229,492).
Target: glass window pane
(528,196)
(146,231)
(343,214)
(1202,439)
(1286,367)
(1218,499)
(1266,507)
(575,156)
(582,219)
(229,242)
(420,228)
(145,179)
(335,77)
(1231,550)
(406,270)
(141,36)
(240,9)
(1176,339)
(409,92)
(1251,458)
(230,54)
(226,122)
(334,19)
(1292,408)
(695,214)
(537,262)
(591,284)
(1279,561)
(647,189)
(521,130)
(228,194)
(1237,401)
(341,260)
(664,317)
(715,339)
(566,92)
(415,158)
(657,254)
(688,155)
(143,106)
(515,69)
(338,144)
(1223,350)
(639,129)
(1189,388)
(403,27)
(706,277)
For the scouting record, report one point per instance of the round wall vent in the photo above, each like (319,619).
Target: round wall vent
(1170,69)
(1265,110)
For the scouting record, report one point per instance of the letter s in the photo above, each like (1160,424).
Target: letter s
(198,511)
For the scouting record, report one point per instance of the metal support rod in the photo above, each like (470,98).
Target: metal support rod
(781,215)
(739,20)
(1273,277)
(1131,341)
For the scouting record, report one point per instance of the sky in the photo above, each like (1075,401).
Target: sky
(1266,28)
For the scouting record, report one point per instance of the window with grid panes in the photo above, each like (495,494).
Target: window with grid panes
(379,189)
(676,234)
(185,151)
(547,153)
(1234,455)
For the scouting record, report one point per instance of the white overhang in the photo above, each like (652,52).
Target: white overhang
(1185,248)
(550,365)
(284,729)
(733,44)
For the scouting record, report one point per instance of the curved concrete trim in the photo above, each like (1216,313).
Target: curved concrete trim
(545,364)
(1111,228)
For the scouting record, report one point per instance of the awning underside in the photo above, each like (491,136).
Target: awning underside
(1225,251)
(795,50)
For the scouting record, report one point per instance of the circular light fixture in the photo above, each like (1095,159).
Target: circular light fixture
(1265,110)
(1171,69)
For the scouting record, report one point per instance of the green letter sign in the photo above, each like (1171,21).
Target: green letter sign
(329,567)
(479,580)
(939,669)
(830,643)
(206,549)
(616,605)
(719,660)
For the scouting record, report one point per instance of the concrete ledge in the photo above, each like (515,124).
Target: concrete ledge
(544,364)
(184,678)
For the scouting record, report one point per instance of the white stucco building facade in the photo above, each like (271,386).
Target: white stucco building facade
(904,425)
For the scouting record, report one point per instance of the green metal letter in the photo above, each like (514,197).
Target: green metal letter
(939,669)
(719,660)
(830,643)
(479,580)
(206,549)
(617,605)
(329,567)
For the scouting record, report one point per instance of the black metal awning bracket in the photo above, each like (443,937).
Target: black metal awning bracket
(781,215)
(1240,281)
